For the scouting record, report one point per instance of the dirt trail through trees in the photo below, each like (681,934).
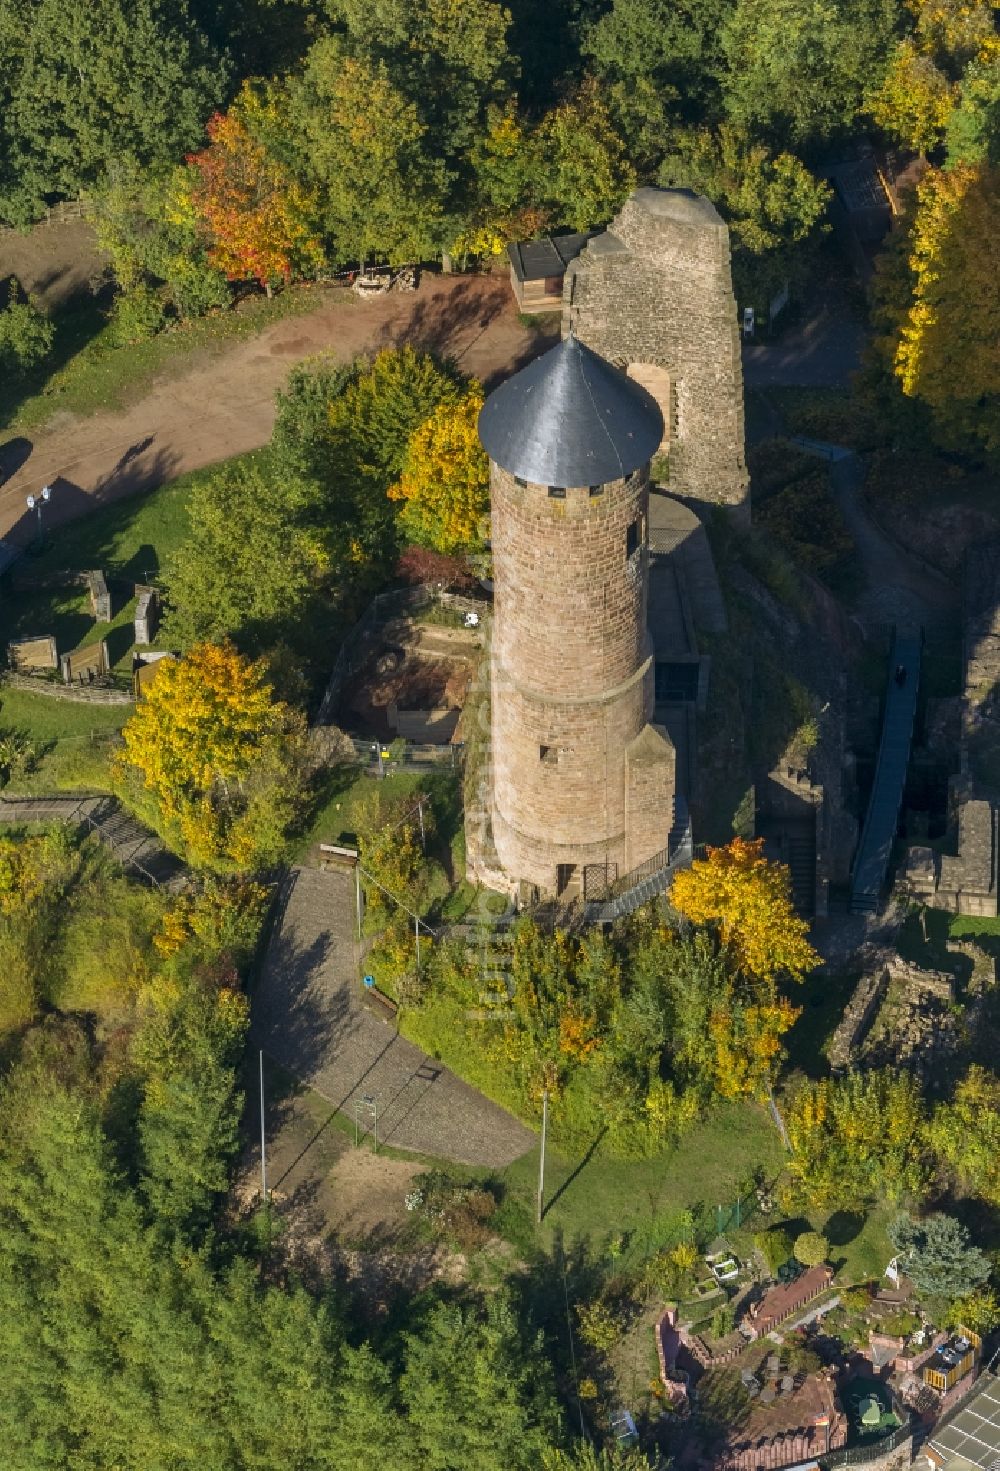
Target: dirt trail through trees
(225,405)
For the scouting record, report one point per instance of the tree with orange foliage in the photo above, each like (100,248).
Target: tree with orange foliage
(257,217)
(445,479)
(213,761)
(748,899)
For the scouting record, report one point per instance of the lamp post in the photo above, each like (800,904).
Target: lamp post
(35,503)
(366,1101)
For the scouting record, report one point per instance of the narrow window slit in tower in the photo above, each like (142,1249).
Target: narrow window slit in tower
(557,492)
(632,540)
(549,754)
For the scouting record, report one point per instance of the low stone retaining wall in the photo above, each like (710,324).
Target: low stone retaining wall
(857,1018)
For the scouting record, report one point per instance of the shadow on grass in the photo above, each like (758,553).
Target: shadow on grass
(843,1227)
(77,323)
(574,1174)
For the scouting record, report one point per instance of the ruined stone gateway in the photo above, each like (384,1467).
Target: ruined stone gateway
(581,778)
(653,294)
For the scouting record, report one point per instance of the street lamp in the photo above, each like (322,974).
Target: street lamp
(35,503)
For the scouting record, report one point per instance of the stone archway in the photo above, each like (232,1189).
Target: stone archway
(657,382)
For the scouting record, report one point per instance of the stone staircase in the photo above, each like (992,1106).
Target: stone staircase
(139,851)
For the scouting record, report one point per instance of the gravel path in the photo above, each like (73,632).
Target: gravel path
(309,1016)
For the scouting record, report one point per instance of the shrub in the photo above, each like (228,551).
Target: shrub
(600,1325)
(775,1246)
(453,1212)
(811,1248)
(138,315)
(806,522)
(26,334)
(723,1320)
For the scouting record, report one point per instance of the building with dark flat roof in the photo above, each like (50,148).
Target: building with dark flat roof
(537,268)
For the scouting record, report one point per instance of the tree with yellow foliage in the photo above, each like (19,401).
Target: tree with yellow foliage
(445,481)
(965,1134)
(947,352)
(856,1139)
(213,760)
(915,99)
(748,899)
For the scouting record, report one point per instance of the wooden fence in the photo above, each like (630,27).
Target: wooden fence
(84,694)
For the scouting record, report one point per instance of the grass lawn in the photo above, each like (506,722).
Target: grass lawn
(335,819)
(87,372)
(130,541)
(597,1196)
(72,741)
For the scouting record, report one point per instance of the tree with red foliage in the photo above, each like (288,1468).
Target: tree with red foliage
(257,217)
(420,565)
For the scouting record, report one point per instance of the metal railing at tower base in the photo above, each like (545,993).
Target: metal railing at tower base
(649,879)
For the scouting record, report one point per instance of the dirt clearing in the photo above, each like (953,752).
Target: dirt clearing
(225,406)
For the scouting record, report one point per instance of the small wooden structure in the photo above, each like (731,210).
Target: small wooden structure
(83,666)
(28,655)
(100,598)
(145,668)
(147,613)
(537,268)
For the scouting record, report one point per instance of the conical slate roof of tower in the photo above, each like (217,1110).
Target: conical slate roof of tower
(570,418)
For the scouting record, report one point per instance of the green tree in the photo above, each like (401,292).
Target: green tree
(657,62)
(857,1139)
(144,223)
(476,1395)
(26,334)
(811,1248)
(937,1256)
(451,59)
(973,131)
(255,556)
(382,187)
(85,85)
(361,452)
(586,171)
(965,1134)
(798,72)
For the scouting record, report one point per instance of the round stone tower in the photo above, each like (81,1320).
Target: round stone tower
(583,785)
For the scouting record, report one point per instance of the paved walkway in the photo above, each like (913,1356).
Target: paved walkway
(308,1016)
(821,352)
(897,589)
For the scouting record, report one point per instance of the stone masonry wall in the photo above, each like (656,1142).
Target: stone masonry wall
(571,675)
(656,289)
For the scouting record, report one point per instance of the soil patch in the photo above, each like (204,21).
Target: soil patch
(225,405)
(52,262)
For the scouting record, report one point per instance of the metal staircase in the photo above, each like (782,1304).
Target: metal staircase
(871,861)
